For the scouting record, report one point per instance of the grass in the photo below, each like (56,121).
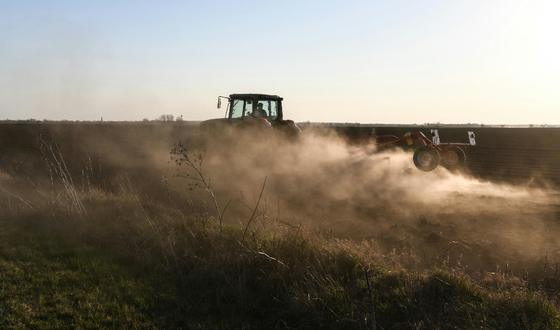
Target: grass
(129,260)
(188,276)
(52,281)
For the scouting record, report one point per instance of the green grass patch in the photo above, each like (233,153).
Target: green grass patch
(50,281)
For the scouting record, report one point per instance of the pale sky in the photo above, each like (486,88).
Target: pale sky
(398,61)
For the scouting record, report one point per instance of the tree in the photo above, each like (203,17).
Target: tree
(165,118)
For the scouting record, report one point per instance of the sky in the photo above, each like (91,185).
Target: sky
(388,62)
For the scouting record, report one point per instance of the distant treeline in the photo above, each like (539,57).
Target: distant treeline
(180,121)
(97,122)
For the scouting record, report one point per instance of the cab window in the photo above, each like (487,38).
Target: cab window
(270,108)
(241,108)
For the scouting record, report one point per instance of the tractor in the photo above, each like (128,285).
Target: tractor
(259,113)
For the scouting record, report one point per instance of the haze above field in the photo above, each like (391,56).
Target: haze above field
(492,62)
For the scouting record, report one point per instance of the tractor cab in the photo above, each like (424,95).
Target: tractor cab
(255,111)
(242,106)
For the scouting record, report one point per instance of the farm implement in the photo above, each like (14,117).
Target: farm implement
(430,153)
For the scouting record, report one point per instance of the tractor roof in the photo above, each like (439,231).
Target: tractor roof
(257,96)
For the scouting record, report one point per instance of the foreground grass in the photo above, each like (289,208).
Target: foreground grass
(52,281)
(181,274)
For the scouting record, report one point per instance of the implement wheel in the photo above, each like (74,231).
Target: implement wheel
(426,158)
(454,158)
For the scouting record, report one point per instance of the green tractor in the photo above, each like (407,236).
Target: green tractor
(259,113)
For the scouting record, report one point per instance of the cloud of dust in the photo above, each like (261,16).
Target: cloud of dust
(355,192)
(361,194)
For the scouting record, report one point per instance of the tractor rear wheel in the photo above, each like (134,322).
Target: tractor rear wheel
(454,158)
(426,158)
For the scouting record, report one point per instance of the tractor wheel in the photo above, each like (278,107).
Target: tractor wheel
(426,158)
(454,158)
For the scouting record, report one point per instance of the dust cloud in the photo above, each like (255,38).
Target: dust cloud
(357,193)
(318,182)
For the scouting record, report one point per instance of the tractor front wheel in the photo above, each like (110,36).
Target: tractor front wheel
(426,158)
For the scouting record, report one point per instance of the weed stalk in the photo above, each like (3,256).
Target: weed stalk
(180,155)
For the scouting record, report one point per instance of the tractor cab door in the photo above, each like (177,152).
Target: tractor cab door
(240,109)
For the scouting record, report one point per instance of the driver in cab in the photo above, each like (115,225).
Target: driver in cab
(260,112)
